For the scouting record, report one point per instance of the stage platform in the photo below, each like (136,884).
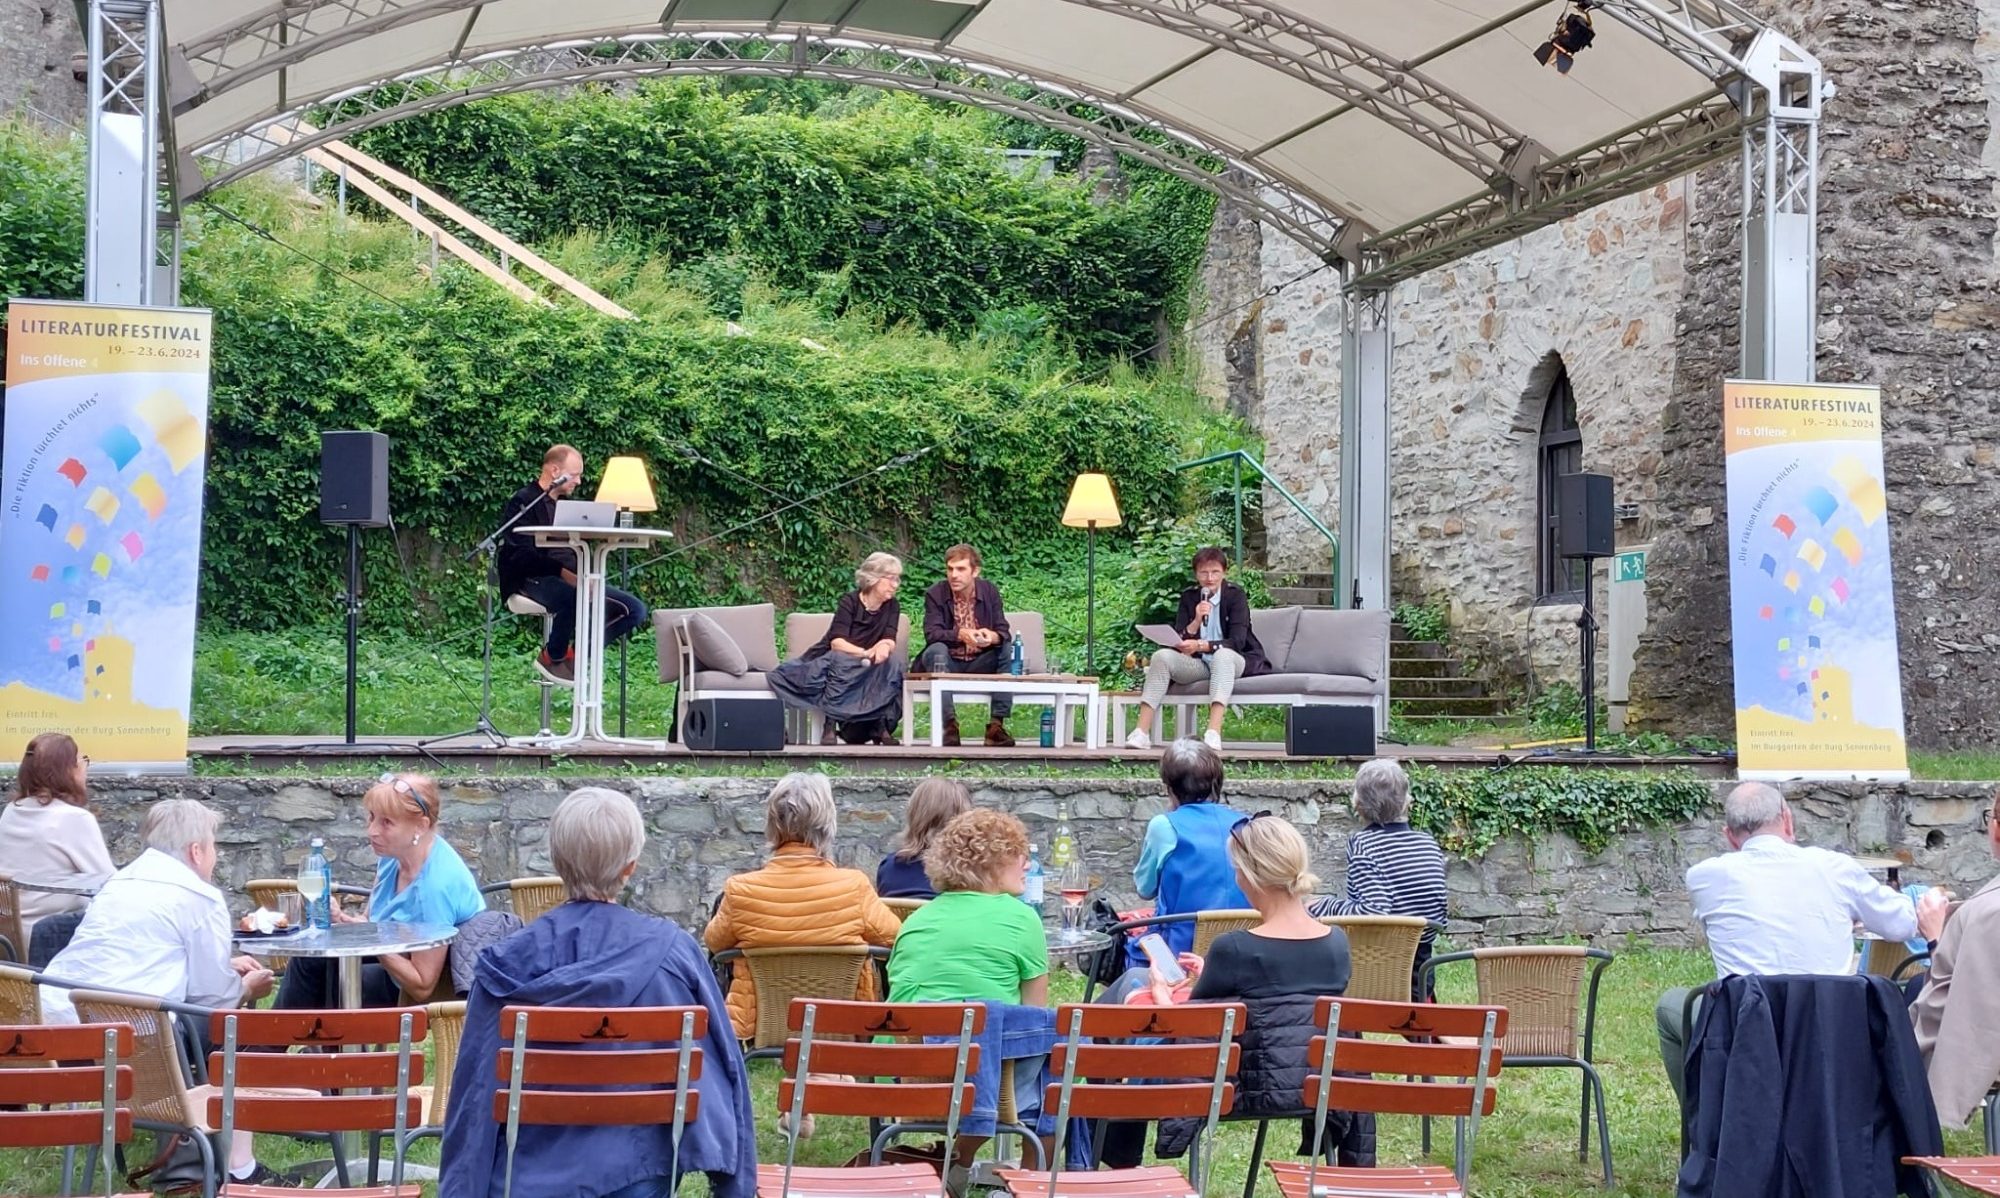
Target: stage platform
(471,754)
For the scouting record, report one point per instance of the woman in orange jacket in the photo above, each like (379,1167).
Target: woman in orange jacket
(800,897)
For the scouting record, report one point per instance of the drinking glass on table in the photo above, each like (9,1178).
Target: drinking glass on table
(1074,887)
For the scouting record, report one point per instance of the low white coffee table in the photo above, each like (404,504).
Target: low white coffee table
(1064,692)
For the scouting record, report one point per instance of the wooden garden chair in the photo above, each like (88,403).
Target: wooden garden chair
(654,1060)
(1411,1048)
(834,1040)
(1980,1174)
(73,1067)
(1111,1067)
(361,1086)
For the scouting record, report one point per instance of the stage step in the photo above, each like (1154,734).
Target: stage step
(1421,708)
(1428,681)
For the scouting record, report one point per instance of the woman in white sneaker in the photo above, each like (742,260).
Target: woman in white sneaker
(1217,647)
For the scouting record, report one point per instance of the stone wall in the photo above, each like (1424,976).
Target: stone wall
(37,38)
(702,830)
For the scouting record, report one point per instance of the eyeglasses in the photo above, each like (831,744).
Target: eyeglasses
(401,786)
(1986,819)
(1245,823)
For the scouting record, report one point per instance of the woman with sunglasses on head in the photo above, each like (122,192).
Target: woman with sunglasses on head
(419,879)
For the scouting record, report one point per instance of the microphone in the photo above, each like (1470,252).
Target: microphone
(558,481)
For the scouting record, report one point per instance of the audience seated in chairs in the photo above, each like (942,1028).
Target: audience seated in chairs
(853,675)
(1772,906)
(1957,1016)
(591,952)
(1183,862)
(159,927)
(1278,970)
(1392,868)
(978,942)
(47,831)
(934,803)
(419,879)
(800,897)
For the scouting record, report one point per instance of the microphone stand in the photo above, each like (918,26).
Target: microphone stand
(487,548)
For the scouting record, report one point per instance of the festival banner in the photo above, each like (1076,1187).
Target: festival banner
(1818,686)
(100,527)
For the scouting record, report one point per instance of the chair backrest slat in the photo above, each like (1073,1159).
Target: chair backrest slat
(1410,1058)
(904,1100)
(603,1067)
(73,1083)
(317,1071)
(74,1064)
(608,1026)
(290,1113)
(343,1030)
(1443,1099)
(62,1129)
(640,1108)
(1142,1060)
(1407,1018)
(905,1060)
(838,1017)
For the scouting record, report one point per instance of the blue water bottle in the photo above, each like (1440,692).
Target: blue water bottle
(1034,886)
(1016,663)
(1048,727)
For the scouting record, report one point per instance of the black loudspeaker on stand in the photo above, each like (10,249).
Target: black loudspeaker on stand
(353,491)
(1583,507)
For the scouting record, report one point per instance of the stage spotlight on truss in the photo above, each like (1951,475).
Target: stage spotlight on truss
(1572,37)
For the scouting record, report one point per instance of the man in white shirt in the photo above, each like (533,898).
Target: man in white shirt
(159,927)
(1773,906)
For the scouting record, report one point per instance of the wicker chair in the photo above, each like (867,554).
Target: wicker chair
(1210,924)
(1383,949)
(531,898)
(13,940)
(1540,986)
(20,998)
(903,906)
(780,975)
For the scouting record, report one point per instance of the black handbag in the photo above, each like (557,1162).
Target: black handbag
(1107,966)
(177,1169)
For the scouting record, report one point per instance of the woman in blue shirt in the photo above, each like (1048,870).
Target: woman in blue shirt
(419,879)
(1184,860)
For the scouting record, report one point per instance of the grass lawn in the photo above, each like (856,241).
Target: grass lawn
(1526,1150)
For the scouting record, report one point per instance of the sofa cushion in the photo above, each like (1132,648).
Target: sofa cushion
(1331,685)
(713,648)
(1354,643)
(716,680)
(1275,629)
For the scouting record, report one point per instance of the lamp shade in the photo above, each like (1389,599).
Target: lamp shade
(625,484)
(1091,503)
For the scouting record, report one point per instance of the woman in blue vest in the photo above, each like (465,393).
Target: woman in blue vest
(1184,860)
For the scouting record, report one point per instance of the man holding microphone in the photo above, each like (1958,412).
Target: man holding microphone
(1217,647)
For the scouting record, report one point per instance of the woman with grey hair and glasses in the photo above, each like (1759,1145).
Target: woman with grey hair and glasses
(1392,868)
(591,952)
(853,675)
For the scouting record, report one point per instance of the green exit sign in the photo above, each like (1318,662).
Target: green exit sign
(1629,567)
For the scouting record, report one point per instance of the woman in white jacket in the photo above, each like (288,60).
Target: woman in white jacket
(47,831)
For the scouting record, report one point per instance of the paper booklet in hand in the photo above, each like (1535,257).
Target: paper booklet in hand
(1164,635)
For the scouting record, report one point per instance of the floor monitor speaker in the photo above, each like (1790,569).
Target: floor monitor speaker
(1330,730)
(751,725)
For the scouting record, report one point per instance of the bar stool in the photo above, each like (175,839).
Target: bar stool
(521,605)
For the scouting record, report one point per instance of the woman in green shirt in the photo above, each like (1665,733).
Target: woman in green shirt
(976,941)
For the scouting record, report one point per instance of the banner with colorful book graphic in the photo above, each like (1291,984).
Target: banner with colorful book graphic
(1818,685)
(100,527)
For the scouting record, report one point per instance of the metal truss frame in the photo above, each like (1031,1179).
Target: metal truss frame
(1095,119)
(122,81)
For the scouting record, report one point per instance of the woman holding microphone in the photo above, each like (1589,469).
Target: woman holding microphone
(1216,646)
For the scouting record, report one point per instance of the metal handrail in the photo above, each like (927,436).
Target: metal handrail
(1238,459)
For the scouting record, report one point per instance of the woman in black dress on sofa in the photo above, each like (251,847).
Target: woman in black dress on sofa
(853,675)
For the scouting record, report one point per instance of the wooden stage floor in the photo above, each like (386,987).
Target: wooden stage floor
(472,754)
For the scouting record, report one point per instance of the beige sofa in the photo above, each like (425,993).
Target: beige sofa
(1317,656)
(753,626)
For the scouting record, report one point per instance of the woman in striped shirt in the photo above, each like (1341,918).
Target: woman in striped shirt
(1392,868)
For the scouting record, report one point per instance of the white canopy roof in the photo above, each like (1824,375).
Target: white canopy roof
(1393,133)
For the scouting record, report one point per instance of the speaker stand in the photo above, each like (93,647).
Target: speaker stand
(353,619)
(1586,624)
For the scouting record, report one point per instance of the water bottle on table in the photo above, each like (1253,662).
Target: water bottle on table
(1016,660)
(1034,887)
(316,886)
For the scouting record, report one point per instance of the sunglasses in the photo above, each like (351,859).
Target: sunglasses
(397,783)
(1236,829)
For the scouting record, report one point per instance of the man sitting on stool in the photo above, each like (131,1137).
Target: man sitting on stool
(548,576)
(965,632)
(1775,907)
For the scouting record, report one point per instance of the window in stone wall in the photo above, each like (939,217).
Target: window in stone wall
(1558,579)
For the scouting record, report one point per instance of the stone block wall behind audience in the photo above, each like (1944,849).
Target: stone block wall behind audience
(47,831)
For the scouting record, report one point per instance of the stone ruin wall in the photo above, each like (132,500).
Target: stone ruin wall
(1648,328)
(37,38)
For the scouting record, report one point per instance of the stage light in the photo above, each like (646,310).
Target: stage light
(1572,37)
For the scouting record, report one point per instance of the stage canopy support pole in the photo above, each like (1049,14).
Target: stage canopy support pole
(1364,450)
(1780,209)
(125,239)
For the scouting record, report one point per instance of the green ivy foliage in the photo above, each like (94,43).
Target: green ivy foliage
(41,214)
(898,206)
(1471,810)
